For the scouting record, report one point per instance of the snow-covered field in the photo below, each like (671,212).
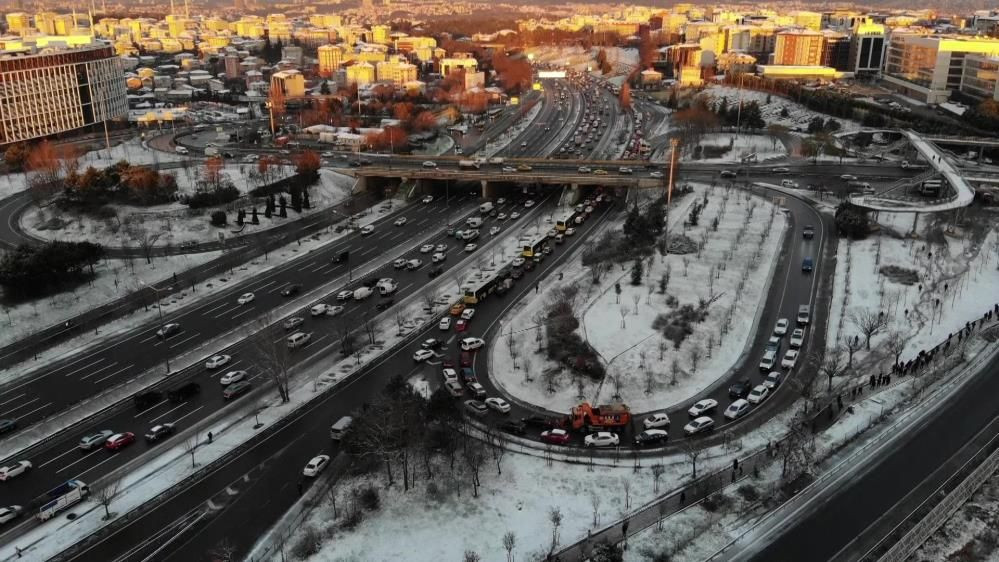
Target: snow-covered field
(797,114)
(740,145)
(114,279)
(970,533)
(175,224)
(620,328)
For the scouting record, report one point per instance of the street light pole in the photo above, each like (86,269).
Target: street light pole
(159,308)
(673,143)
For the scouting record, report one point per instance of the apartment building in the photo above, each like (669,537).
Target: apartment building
(798,48)
(929,67)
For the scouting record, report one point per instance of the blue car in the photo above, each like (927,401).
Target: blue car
(807,265)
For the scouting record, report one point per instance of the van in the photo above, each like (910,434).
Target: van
(362,293)
(387,288)
(768,361)
(474,222)
(485,207)
(298,339)
(339,429)
(804,314)
(183,392)
(181,150)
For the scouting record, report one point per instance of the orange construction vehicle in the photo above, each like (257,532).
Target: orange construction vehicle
(609,417)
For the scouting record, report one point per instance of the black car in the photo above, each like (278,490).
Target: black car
(517,273)
(651,437)
(168,330)
(184,392)
(435,271)
(291,290)
(161,431)
(235,390)
(353,164)
(341,257)
(514,427)
(147,400)
(7,426)
(808,232)
(538,421)
(740,389)
(385,304)
(370,282)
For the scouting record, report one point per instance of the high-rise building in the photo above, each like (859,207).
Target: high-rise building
(59,89)
(288,84)
(232,66)
(360,73)
(798,48)
(867,49)
(980,77)
(292,53)
(380,34)
(330,58)
(18,23)
(395,71)
(836,51)
(929,68)
(459,61)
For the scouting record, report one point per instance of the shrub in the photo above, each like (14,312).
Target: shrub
(33,271)
(352,519)
(219,218)
(715,502)
(213,198)
(308,545)
(749,492)
(370,498)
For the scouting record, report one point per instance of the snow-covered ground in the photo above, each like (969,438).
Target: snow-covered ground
(970,533)
(113,279)
(798,115)
(175,224)
(762,146)
(132,151)
(962,273)
(620,328)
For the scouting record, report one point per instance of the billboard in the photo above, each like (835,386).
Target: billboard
(551,74)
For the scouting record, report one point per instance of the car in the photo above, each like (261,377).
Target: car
(345,295)
(773,344)
(529,203)
(319,309)
(570,231)
(449,374)
(471,344)
(517,262)
(702,407)
(740,389)
(807,264)
(501,201)
(399,263)
(773,380)
(119,441)
(514,427)
(460,325)
(423,355)
(808,232)
(427,199)
(848,177)
(699,425)
(217,361)
(555,436)
(804,314)
(493,231)
(457,309)
(651,437)
(10,513)
(759,394)
(797,337)
(236,390)
(435,271)
(438,257)
(159,432)
(245,298)
(168,330)
(656,175)
(790,358)
(414,264)
(509,169)
(781,170)
(524,168)
(231,377)
(471,247)
(602,439)
(333,310)
(727,174)
(769,360)
(293,322)
(400,221)
(429,164)
(736,409)
(624,170)
(425,249)
(316,465)
(514,215)
(445,324)
(583,169)
(599,172)
(781,328)
(14,470)
(476,407)
(476,388)
(501,217)
(498,404)
(291,290)
(366,230)
(432,343)
(656,420)
(88,442)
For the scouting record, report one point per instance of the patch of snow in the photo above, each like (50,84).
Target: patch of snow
(762,146)
(798,115)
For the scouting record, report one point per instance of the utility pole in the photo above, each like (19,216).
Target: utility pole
(673,143)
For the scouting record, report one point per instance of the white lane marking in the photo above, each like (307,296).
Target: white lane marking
(233,309)
(85,367)
(237,315)
(98,371)
(91,453)
(14,398)
(185,340)
(157,418)
(28,413)
(110,458)
(118,372)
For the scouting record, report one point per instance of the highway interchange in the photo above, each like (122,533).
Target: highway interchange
(274,463)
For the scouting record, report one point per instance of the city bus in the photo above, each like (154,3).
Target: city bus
(534,247)
(482,289)
(564,220)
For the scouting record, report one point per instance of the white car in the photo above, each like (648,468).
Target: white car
(426,248)
(414,264)
(422,355)
(509,169)
(658,419)
(449,375)
(440,248)
(400,221)
(494,231)
(467,314)
(657,175)
(518,262)
(217,361)
(429,164)
(319,309)
(333,310)
(471,247)
(445,323)
(9,513)
(797,337)
(345,295)
(602,439)
(702,406)
(848,177)
(699,425)
(514,215)
(790,358)
(501,201)
(498,404)
(438,257)
(773,380)
(471,344)
(758,394)
(570,231)
(316,465)
(20,467)
(781,328)
(231,377)
(367,230)
(737,409)
(245,298)
(501,217)
(529,203)
(399,263)
(427,199)
(583,170)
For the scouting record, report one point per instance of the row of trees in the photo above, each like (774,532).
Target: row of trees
(122,183)
(31,271)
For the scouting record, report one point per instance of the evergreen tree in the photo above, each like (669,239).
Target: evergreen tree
(305,199)
(636,272)
(254,219)
(283,203)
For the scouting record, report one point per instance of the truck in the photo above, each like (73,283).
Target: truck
(468,164)
(607,417)
(906,165)
(486,208)
(63,496)
(497,160)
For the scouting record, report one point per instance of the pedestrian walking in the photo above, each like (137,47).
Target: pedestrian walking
(18,549)
(175,277)
(872,381)
(735,464)
(537,287)
(209,436)
(683,497)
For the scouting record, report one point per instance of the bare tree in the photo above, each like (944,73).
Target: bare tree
(429,298)
(348,340)
(657,473)
(272,357)
(832,365)
(223,551)
(555,516)
(636,298)
(624,314)
(674,370)
(370,328)
(509,543)
(694,355)
(595,501)
(626,486)
(617,382)
(471,556)
(106,494)
(797,449)
(869,323)
(693,452)
(474,458)
(190,446)
(145,239)
(459,283)
(896,344)
(805,385)
(852,346)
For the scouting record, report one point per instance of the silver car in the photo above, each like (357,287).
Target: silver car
(94,440)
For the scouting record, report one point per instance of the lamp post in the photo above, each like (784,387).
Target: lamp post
(159,309)
(673,144)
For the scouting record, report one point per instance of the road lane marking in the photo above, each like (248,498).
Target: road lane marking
(119,371)
(237,315)
(185,340)
(157,418)
(104,368)
(81,459)
(230,310)
(54,459)
(77,477)
(85,367)
(14,398)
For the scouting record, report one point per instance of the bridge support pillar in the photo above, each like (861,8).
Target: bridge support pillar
(487,189)
(574,195)
(360,184)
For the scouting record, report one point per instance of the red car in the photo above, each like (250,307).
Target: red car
(119,440)
(555,436)
(447,364)
(461,325)
(466,358)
